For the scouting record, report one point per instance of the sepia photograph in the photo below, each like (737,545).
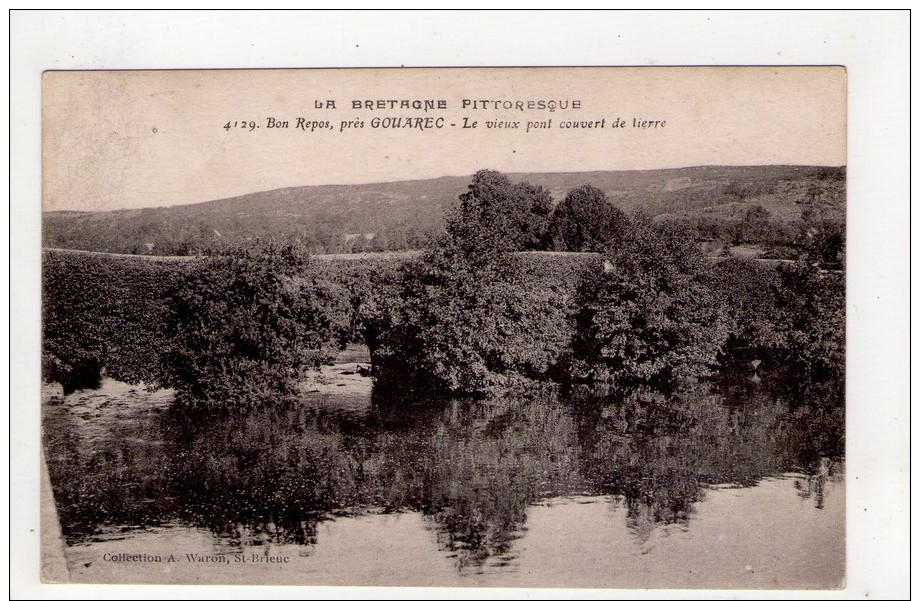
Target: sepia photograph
(545,327)
(459,304)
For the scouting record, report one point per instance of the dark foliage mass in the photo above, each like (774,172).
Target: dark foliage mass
(648,316)
(496,215)
(652,310)
(812,321)
(747,293)
(237,327)
(585,221)
(464,321)
(246,325)
(104,316)
(471,312)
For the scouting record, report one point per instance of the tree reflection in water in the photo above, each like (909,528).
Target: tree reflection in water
(489,461)
(659,452)
(270,474)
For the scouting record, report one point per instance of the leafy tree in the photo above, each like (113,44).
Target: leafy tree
(813,320)
(748,293)
(464,321)
(585,221)
(533,228)
(499,215)
(469,313)
(648,316)
(822,243)
(755,227)
(246,325)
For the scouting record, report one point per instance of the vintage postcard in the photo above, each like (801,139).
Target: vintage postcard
(467,327)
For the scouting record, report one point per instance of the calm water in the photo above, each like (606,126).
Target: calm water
(536,488)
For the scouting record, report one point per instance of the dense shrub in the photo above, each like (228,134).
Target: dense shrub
(247,326)
(648,315)
(104,317)
(497,215)
(812,319)
(167,322)
(748,292)
(464,321)
(823,244)
(354,288)
(585,221)
(791,316)
(470,313)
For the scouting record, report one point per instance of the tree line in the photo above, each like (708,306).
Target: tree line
(498,214)
(467,315)
(652,309)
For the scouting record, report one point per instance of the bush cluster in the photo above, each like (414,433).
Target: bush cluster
(652,309)
(472,312)
(236,327)
(465,321)
(246,325)
(104,317)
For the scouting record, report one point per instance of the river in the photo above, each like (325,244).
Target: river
(533,487)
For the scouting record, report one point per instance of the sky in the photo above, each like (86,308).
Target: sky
(131,139)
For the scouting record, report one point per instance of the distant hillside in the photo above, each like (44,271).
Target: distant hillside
(403,215)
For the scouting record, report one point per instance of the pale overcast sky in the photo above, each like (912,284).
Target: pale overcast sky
(128,139)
